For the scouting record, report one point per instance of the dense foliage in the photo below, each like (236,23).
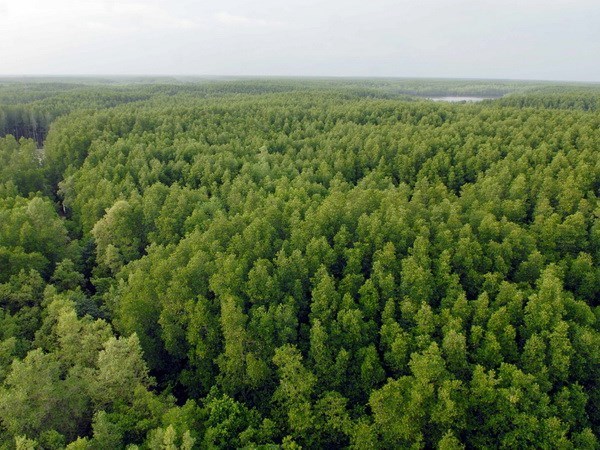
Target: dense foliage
(293,264)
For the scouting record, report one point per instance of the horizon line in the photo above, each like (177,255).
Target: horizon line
(314,77)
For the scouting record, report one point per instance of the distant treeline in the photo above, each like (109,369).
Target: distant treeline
(28,106)
(585,99)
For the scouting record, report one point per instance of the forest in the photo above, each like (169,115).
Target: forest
(299,263)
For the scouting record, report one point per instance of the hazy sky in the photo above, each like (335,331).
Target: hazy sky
(524,39)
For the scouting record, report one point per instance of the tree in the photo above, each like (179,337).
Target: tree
(294,392)
(121,370)
(119,235)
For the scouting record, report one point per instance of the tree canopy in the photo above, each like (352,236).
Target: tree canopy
(299,264)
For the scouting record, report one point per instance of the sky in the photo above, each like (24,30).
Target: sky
(501,39)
